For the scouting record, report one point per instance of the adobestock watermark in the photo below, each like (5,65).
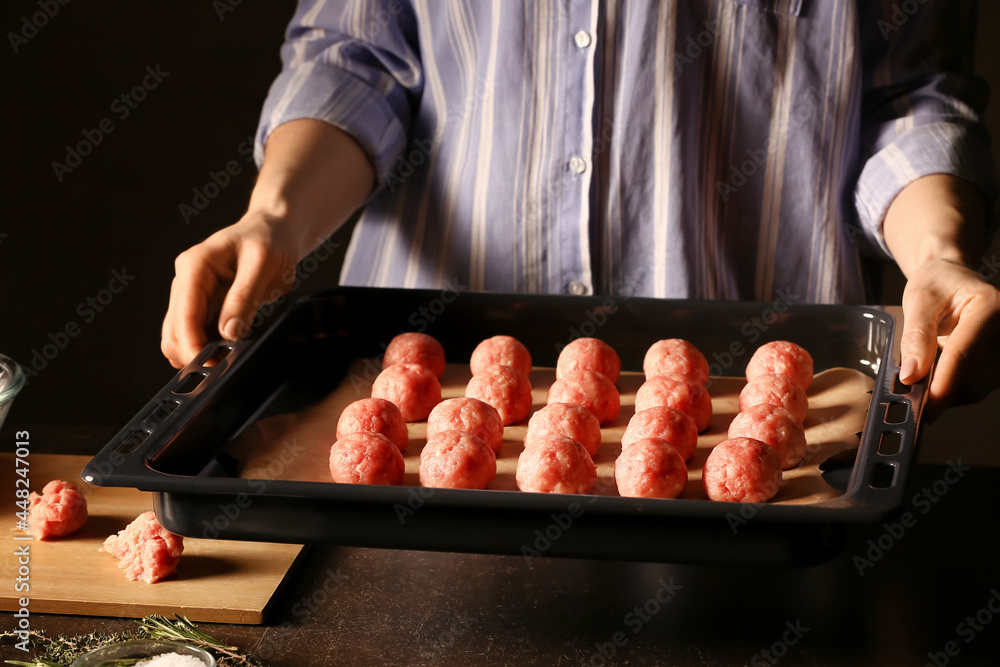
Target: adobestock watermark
(116,458)
(420,319)
(989,269)
(259,478)
(901,13)
(378,19)
(562,522)
(634,620)
(420,151)
(415,500)
(216,182)
(779,649)
(694,47)
(535,208)
(756,158)
(293,279)
(893,532)
(22,576)
(459,626)
(318,598)
(751,331)
(748,511)
(967,630)
(310,603)
(547,536)
(88,309)
(32,23)
(121,107)
(224,7)
(595,318)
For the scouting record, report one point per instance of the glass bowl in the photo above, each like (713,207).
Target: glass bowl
(141,648)
(11,382)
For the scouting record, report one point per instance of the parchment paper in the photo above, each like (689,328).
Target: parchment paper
(296,447)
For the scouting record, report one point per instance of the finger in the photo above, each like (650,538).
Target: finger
(961,375)
(168,346)
(918,345)
(190,291)
(168,341)
(247,293)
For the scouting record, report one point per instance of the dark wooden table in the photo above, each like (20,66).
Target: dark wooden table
(906,591)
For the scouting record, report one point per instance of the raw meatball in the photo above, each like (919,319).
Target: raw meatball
(145,549)
(676,393)
(500,351)
(506,389)
(781,357)
(413,389)
(457,460)
(742,470)
(665,423)
(415,348)
(775,426)
(366,458)
(675,356)
(374,415)
(777,390)
(470,415)
(61,510)
(555,464)
(572,421)
(590,389)
(589,354)
(650,468)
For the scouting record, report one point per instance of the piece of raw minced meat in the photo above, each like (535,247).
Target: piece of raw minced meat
(145,549)
(60,511)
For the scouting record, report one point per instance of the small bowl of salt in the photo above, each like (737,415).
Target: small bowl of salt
(146,653)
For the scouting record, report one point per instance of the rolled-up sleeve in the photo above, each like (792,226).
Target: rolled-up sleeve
(921,107)
(354,65)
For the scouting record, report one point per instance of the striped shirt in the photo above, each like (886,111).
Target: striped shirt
(723,149)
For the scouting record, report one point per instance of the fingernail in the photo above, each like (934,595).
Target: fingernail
(231,330)
(907,370)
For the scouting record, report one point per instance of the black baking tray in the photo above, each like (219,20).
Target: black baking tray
(172,447)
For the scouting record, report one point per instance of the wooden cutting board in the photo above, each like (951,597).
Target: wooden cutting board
(217,580)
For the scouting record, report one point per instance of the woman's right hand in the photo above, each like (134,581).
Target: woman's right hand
(232,273)
(313,178)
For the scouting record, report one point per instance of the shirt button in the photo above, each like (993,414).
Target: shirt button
(577,288)
(578,164)
(582,39)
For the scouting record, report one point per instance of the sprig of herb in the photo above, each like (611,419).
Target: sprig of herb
(62,650)
(183,630)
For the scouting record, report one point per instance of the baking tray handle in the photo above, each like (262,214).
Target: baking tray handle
(128,450)
(893,421)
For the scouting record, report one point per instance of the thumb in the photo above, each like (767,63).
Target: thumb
(918,345)
(255,269)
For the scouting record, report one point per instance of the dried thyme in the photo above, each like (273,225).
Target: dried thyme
(62,650)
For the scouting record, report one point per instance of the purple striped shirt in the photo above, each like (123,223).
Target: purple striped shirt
(735,149)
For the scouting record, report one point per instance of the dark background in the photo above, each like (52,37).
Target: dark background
(119,210)
(60,242)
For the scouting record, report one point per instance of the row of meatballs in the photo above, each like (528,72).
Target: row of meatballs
(672,406)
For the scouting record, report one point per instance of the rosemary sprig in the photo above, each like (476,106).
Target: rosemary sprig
(125,662)
(61,651)
(183,630)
